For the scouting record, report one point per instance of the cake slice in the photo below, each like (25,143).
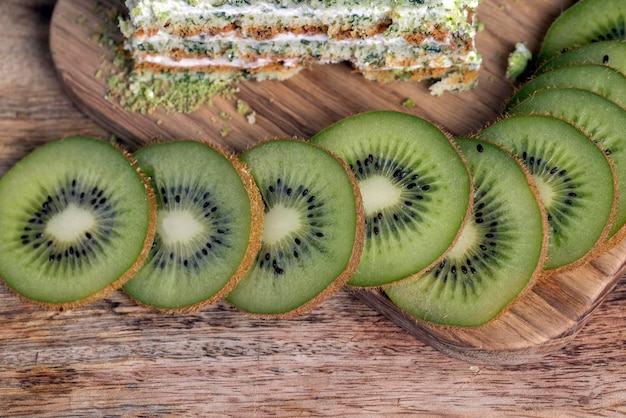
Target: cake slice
(385,40)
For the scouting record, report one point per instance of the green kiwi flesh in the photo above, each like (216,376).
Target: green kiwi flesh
(416,191)
(312,230)
(609,53)
(603,121)
(76,221)
(574,178)
(604,81)
(205,239)
(584,22)
(501,249)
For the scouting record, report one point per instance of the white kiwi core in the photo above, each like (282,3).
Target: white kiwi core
(469,238)
(178,226)
(546,192)
(279,222)
(70,224)
(378,193)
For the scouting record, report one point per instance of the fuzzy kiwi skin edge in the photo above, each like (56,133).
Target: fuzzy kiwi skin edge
(399,117)
(618,229)
(572,28)
(357,249)
(143,255)
(355,257)
(254,241)
(144,252)
(256,226)
(538,272)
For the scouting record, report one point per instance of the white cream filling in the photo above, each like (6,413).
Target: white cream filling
(214,62)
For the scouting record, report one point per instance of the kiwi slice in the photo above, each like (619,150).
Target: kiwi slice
(574,178)
(605,81)
(207,234)
(609,53)
(312,232)
(584,22)
(76,221)
(603,121)
(500,252)
(416,191)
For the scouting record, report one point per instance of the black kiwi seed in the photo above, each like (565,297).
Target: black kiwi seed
(312,229)
(393,219)
(276,259)
(483,270)
(413,212)
(84,196)
(179,197)
(80,229)
(585,22)
(562,184)
(204,241)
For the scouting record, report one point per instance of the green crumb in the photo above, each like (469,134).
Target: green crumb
(408,103)
(119,62)
(225,116)
(225,130)
(146,91)
(80,20)
(480,26)
(518,61)
(242,107)
(271,100)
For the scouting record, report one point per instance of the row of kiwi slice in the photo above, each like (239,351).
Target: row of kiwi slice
(274,231)
(453,229)
(180,224)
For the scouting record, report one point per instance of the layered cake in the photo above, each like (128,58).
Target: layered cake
(385,40)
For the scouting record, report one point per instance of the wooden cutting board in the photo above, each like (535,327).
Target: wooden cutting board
(300,106)
(546,318)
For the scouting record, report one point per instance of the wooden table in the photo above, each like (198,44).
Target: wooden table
(113,358)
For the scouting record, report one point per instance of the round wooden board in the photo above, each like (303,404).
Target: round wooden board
(549,314)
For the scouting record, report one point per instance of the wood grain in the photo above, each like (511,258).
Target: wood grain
(546,318)
(112,358)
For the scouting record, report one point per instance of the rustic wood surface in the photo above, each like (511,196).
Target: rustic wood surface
(112,358)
